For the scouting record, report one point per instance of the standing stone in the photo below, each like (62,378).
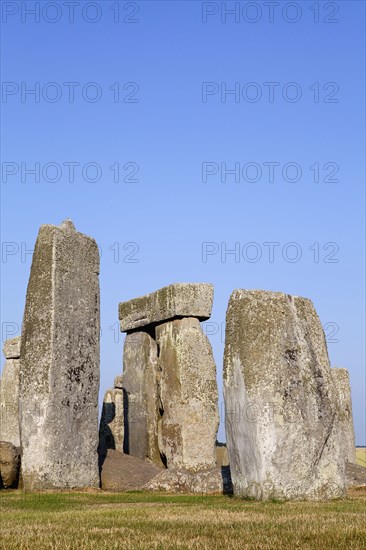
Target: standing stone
(189,398)
(345,416)
(111,430)
(141,406)
(280,400)
(9,393)
(59,375)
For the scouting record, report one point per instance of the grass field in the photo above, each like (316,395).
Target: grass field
(361,456)
(145,520)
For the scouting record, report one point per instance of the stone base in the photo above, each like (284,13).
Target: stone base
(207,482)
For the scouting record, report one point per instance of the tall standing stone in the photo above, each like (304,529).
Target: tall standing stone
(111,430)
(345,416)
(281,404)
(9,393)
(141,404)
(59,375)
(189,417)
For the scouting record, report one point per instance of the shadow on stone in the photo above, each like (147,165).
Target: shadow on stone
(126,439)
(227,484)
(106,437)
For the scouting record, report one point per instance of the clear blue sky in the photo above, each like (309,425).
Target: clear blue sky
(159,109)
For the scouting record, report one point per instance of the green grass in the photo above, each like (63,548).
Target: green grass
(145,520)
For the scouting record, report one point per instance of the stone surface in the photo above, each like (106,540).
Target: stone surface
(121,472)
(355,475)
(111,429)
(9,393)
(188,396)
(212,481)
(118,382)
(11,348)
(141,405)
(9,465)
(176,300)
(59,374)
(345,416)
(280,400)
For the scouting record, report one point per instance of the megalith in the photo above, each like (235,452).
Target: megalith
(59,362)
(280,400)
(189,417)
(9,393)
(345,416)
(169,377)
(141,401)
(111,430)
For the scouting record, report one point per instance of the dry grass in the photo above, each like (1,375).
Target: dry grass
(361,456)
(146,521)
(222,458)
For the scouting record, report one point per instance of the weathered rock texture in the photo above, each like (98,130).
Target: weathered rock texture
(59,375)
(188,395)
(9,393)
(121,472)
(9,465)
(111,430)
(355,475)
(281,403)
(118,382)
(11,348)
(141,401)
(212,481)
(169,378)
(177,300)
(345,416)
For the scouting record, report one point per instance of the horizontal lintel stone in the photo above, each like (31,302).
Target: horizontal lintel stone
(176,300)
